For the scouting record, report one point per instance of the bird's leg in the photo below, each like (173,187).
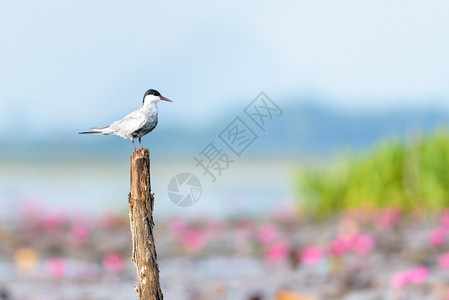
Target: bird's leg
(141,147)
(134,145)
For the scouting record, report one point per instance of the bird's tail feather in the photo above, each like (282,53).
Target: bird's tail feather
(97,130)
(89,132)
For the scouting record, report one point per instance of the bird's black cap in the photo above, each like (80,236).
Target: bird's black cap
(151,92)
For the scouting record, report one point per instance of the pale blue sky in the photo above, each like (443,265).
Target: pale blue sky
(69,65)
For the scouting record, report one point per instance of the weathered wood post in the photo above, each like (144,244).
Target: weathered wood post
(141,202)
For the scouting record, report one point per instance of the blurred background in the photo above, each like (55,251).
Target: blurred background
(340,195)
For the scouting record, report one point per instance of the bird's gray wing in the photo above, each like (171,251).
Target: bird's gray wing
(129,124)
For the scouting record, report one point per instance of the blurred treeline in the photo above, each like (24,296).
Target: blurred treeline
(406,175)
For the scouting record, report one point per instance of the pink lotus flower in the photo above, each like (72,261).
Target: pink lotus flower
(78,234)
(339,247)
(412,276)
(389,218)
(362,244)
(418,275)
(194,240)
(54,221)
(267,233)
(311,255)
(56,267)
(437,237)
(400,279)
(277,252)
(443,261)
(113,263)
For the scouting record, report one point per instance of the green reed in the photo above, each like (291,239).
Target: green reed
(407,175)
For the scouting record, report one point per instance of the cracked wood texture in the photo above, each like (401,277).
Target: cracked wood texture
(141,202)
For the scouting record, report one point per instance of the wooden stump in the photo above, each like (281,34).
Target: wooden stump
(141,202)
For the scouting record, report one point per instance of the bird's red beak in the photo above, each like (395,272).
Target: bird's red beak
(165,99)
